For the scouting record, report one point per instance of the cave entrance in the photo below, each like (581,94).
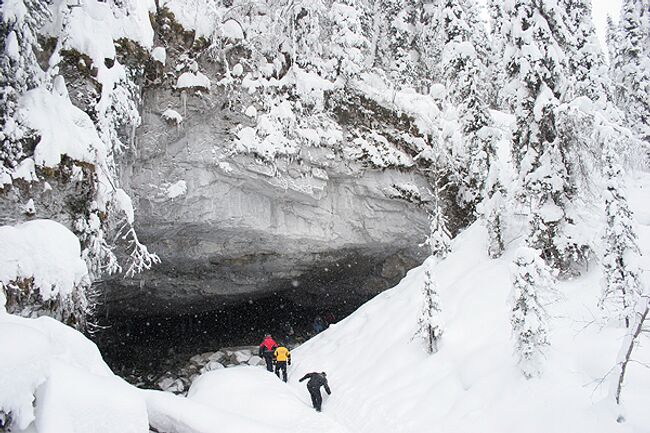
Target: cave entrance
(141,348)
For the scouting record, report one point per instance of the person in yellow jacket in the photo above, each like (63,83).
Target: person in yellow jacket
(282,359)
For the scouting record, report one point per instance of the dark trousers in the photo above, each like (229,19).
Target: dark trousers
(268,357)
(281,366)
(316,397)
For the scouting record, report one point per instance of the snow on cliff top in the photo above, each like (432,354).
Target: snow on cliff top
(92,26)
(44,250)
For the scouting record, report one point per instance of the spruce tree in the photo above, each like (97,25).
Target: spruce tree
(537,68)
(430,328)
(396,51)
(303,22)
(464,63)
(587,64)
(622,285)
(631,65)
(532,283)
(19,71)
(348,43)
(493,210)
(496,71)
(439,239)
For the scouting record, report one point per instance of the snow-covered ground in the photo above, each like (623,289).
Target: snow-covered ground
(52,379)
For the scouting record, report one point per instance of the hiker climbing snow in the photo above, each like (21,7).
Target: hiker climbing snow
(316,380)
(282,359)
(267,347)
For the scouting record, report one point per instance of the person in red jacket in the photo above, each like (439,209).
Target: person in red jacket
(267,347)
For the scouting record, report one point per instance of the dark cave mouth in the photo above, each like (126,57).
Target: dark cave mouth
(150,345)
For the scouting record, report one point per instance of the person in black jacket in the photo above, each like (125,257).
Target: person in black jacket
(316,380)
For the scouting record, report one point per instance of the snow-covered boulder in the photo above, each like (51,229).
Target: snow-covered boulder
(45,251)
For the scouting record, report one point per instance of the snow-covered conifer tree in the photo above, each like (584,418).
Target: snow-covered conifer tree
(19,71)
(348,43)
(587,63)
(430,328)
(303,20)
(439,239)
(622,284)
(536,66)
(493,211)
(395,48)
(466,80)
(496,71)
(611,40)
(630,64)
(532,282)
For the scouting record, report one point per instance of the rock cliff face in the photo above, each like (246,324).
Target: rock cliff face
(230,227)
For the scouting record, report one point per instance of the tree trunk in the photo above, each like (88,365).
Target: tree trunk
(641,312)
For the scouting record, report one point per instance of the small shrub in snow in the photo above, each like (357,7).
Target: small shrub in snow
(531,282)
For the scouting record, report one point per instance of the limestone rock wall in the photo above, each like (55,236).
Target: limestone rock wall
(231,227)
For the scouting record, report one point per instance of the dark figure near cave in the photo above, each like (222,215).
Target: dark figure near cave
(267,347)
(316,380)
(319,325)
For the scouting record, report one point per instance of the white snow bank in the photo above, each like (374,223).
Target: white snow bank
(44,250)
(261,397)
(382,380)
(192,80)
(171,413)
(53,378)
(63,128)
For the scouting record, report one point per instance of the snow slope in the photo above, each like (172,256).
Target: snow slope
(382,380)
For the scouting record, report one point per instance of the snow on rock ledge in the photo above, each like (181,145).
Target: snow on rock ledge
(46,251)
(192,80)
(63,128)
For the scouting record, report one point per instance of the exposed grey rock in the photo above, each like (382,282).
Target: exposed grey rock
(320,225)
